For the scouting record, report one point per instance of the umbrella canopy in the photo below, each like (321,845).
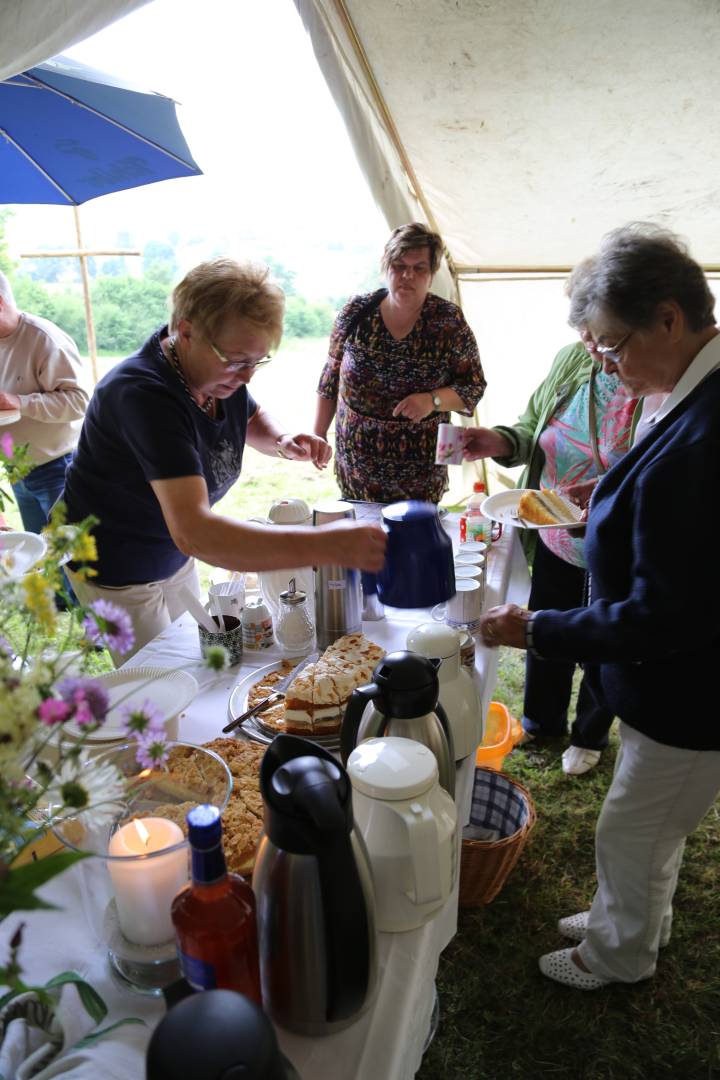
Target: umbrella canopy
(69,133)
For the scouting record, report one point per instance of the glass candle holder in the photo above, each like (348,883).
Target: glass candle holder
(142,860)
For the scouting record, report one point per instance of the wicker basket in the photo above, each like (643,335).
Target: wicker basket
(501,804)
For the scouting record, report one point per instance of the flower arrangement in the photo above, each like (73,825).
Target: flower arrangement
(47,772)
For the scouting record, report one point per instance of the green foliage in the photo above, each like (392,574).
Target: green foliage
(127,310)
(6,264)
(305,318)
(284,277)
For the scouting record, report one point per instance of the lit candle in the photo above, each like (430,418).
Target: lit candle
(145,887)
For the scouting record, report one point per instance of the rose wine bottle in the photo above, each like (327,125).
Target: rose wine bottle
(214,915)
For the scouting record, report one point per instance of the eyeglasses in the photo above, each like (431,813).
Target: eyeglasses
(612,352)
(237,365)
(402,268)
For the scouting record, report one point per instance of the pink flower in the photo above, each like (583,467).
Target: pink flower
(107,624)
(6,445)
(51,711)
(152,750)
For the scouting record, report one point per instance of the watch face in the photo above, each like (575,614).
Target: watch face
(436,401)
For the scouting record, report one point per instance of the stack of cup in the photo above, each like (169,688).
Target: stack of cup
(471,563)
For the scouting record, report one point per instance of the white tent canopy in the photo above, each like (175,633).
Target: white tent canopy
(33,30)
(523,131)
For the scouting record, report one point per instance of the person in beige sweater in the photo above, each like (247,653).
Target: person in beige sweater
(42,402)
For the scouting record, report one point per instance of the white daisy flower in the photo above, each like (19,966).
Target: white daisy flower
(91,793)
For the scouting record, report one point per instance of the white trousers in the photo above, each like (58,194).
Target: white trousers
(151,607)
(658,796)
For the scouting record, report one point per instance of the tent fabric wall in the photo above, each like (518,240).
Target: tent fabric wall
(534,127)
(389,183)
(34,30)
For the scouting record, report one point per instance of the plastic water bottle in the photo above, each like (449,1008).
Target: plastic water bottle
(474,525)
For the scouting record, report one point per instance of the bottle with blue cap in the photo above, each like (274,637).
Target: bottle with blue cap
(214,915)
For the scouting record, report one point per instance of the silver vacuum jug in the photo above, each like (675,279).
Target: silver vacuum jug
(402,700)
(338,599)
(314,893)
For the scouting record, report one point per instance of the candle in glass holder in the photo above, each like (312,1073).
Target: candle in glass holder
(145,887)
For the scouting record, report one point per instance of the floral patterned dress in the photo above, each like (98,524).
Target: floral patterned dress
(379,458)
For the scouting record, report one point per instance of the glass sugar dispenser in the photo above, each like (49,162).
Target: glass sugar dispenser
(294,628)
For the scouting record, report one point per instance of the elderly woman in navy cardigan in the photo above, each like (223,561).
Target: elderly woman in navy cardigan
(650,633)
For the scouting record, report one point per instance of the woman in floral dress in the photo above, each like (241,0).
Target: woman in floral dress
(399,361)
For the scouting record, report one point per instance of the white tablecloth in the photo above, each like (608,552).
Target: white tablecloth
(387,1041)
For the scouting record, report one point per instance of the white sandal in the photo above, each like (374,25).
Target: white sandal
(561,967)
(577,760)
(574,927)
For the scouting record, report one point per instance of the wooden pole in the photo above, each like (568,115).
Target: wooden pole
(83,256)
(92,347)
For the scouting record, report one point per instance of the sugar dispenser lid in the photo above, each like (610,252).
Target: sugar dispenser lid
(291,595)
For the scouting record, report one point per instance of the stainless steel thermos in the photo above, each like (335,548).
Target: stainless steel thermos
(338,599)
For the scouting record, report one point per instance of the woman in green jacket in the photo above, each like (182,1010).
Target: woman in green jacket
(578,422)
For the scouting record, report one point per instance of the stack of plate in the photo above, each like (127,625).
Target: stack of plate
(169,691)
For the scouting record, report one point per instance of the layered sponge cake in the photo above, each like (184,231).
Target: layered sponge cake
(315,700)
(546,507)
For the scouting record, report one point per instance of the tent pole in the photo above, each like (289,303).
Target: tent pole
(92,348)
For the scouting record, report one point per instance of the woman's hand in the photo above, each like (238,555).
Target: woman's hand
(505,625)
(354,545)
(481,442)
(9,401)
(304,447)
(415,406)
(580,493)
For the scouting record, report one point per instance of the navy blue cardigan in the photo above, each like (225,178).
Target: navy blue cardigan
(651,635)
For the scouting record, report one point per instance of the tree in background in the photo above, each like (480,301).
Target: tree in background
(6,264)
(285,278)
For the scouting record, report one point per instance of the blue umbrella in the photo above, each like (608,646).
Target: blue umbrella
(69,133)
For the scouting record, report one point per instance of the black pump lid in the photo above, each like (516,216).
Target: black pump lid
(408,683)
(216,1035)
(307,796)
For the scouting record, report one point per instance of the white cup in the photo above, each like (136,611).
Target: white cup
(468,571)
(450,442)
(471,547)
(225,599)
(462,609)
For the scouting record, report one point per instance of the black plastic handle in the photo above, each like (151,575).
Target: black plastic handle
(359,700)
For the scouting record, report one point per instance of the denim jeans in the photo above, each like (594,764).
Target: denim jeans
(39,490)
(36,494)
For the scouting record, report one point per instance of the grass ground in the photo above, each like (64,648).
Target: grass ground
(501,1019)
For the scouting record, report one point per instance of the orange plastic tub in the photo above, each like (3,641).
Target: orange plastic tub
(502,731)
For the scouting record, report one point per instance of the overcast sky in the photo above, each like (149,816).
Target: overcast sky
(259,121)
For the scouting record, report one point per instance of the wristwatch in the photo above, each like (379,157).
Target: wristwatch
(437,403)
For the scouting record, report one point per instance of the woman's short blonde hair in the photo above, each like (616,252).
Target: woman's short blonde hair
(414,235)
(221,288)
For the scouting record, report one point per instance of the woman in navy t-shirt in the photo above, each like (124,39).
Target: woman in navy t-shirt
(163,441)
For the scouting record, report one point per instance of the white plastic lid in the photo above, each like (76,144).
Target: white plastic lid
(434,639)
(392,768)
(289,512)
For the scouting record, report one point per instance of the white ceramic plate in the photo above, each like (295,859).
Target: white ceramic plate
(253,726)
(19,551)
(169,691)
(504,504)
(9,416)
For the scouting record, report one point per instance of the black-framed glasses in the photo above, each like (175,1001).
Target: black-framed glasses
(237,365)
(612,352)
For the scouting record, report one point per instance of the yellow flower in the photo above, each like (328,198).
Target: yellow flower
(85,549)
(40,600)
